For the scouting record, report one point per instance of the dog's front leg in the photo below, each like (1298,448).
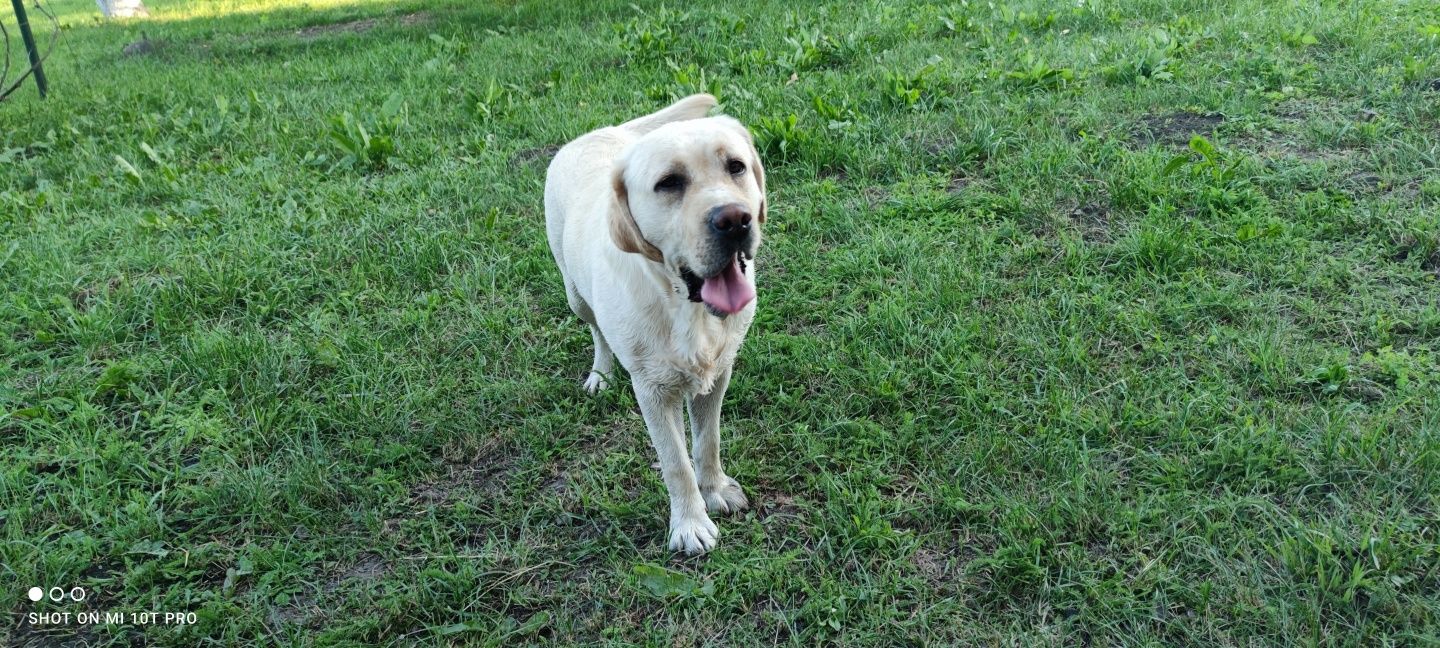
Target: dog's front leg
(690,528)
(721,493)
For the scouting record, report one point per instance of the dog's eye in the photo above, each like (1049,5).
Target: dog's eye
(735,167)
(671,182)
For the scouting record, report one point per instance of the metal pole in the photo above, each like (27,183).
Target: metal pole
(30,45)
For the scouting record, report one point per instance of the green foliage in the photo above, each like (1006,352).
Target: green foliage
(1210,163)
(914,90)
(508,631)
(958,22)
(492,102)
(368,144)
(666,583)
(1416,69)
(837,115)
(1224,186)
(1038,74)
(1330,378)
(653,35)
(811,49)
(1331,573)
(1299,37)
(1152,61)
(448,52)
(686,81)
(780,137)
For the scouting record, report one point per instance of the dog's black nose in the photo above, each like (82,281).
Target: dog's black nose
(730,222)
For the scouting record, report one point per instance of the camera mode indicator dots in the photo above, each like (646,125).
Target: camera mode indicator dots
(57,594)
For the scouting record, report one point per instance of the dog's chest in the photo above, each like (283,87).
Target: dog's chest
(701,349)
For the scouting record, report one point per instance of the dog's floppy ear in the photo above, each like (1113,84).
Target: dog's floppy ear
(760,178)
(623,229)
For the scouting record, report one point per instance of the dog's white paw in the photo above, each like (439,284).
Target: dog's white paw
(725,496)
(693,535)
(595,382)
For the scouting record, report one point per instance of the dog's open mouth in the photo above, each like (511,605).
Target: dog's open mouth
(726,292)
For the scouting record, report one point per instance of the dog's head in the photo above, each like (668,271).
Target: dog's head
(691,195)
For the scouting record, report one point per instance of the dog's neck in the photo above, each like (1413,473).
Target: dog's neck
(706,342)
(702,343)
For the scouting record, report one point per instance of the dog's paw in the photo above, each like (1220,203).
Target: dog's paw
(725,496)
(693,535)
(595,382)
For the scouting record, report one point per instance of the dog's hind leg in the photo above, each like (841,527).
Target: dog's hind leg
(604,364)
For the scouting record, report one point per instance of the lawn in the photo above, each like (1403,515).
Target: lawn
(1084,323)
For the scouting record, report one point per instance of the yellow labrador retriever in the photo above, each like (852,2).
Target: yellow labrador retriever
(655,224)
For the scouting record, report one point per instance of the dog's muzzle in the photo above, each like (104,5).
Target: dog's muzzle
(730,225)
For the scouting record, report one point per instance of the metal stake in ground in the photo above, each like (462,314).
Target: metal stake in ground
(29,39)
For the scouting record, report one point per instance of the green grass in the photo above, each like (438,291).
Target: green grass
(1020,375)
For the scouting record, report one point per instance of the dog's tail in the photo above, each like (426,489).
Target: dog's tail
(692,107)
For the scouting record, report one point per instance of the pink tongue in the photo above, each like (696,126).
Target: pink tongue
(729,291)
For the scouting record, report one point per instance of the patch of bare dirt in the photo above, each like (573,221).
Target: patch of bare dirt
(1298,110)
(1176,129)
(958,183)
(84,298)
(436,493)
(483,478)
(304,608)
(1277,147)
(142,47)
(836,173)
(369,567)
(933,144)
(777,504)
(559,484)
(362,25)
(526,156)
(874,196)
(1365,182)
(480,467)
(353,27)
(1093,219)
(932,565)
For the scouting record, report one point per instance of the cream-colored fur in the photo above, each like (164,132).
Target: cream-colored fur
(621,244)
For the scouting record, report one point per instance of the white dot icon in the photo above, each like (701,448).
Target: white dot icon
(36,594)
